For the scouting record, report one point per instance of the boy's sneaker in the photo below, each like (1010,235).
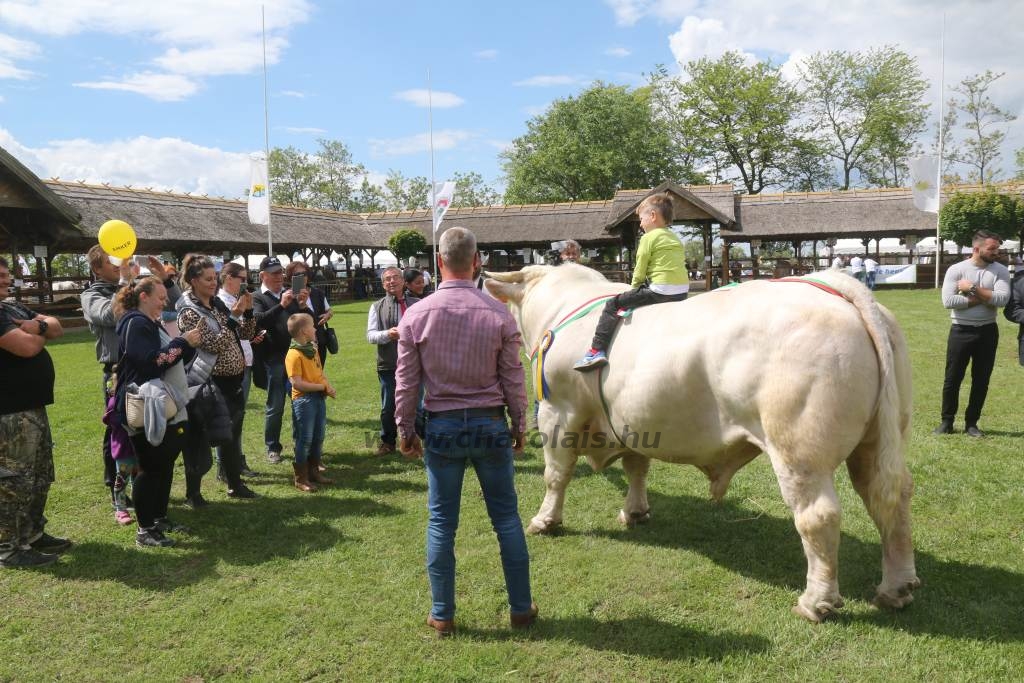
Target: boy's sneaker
(50,544)
(594,358)
(196,501)
(274,457)
(152,538)
(123,517)
(624,312)
(242,491)
(26,559)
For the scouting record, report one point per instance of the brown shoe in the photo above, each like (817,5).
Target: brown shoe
(314,473)
(443,627)
(385,448)
(301,480)
(524,620)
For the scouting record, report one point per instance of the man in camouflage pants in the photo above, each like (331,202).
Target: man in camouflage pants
(26,448)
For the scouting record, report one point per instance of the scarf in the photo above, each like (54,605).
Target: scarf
(308,349)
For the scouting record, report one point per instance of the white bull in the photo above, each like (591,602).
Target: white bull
(810,378)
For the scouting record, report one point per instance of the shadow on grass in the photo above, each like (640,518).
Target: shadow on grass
(639,636)
(958,599)
(234,532)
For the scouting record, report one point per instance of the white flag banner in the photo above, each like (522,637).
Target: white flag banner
(924,171)
(259,190)
(443,195)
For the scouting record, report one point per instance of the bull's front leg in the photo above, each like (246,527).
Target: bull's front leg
(637,510)
(559,464)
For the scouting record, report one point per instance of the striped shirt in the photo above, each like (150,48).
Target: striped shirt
(464,346)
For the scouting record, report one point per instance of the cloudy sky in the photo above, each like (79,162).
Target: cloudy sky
(170,95)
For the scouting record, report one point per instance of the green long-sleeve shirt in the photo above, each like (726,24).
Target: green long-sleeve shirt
(661,259)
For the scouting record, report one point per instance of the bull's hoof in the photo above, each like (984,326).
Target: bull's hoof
(822,612)
(543,526)
(634,518)
(898,599)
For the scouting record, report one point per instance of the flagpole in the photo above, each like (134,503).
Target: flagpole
(433,184)
(938,178)
(266,131)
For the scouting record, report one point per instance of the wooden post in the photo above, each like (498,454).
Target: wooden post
(726,278)
(706,235)
(796,251)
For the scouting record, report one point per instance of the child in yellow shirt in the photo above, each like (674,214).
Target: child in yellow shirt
(309,406)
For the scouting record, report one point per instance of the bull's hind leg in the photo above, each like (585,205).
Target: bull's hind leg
(637,510)
(812,498)
(888,503)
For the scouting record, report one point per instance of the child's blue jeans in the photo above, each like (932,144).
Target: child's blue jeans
(309,424)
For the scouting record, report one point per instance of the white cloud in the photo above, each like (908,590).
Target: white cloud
(1,99)
(218,60)
(160,87)
(15,48)
(486,54)
(629,12)
(160,163)
(546,81)
(199,38)
(292,93)
(437,98)
(415,144)
(617,52)
(305,130)
(698,38)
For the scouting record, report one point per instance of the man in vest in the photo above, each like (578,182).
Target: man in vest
(382,330)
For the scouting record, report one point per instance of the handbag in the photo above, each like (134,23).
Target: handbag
(331,339)
(135,409)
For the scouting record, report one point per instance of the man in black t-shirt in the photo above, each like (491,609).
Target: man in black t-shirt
(26,447)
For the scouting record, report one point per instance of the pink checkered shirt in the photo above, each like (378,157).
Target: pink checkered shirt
(464,345)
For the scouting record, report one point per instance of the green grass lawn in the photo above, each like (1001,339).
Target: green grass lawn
(331,586)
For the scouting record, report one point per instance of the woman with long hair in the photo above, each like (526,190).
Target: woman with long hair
(147,352)
(222,329)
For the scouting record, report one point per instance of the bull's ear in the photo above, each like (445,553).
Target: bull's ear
(505,291)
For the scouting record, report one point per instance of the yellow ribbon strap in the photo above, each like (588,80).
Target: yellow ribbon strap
(539,383)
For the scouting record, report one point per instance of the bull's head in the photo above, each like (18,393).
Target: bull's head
(506,287)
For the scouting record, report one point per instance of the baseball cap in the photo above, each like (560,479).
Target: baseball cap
(271,264)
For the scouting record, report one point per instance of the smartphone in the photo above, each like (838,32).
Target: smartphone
(243,289)
(298,283)
(141,261)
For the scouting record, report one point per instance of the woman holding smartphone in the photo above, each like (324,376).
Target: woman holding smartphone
(234,283)
(316,304)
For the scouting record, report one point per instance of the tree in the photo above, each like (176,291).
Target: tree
(471,190)
(324,180)
(744,114)
(1020,164)
(406,243)
(403,194)
(589,146)
(981,148)
(369,199)
(967,212)
(808,168)
(865,110)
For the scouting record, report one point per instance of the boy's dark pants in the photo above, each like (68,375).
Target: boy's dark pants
(633,298)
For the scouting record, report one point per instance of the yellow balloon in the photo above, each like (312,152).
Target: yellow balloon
(117,239)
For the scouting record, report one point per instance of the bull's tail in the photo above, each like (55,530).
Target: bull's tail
(879,462)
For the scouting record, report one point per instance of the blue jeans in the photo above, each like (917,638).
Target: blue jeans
(309,425)
(870,280)
(278,387)
(485,443)
(388,430)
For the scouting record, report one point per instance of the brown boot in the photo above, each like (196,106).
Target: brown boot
(301,480)
(314,473)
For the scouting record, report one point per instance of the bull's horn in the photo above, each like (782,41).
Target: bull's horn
(514,277)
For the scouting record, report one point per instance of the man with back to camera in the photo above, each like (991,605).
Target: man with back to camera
(973,290)
(272,306)
(441,345)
